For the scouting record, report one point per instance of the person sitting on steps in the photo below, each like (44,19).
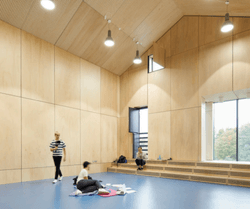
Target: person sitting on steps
(140,158)
(85,185)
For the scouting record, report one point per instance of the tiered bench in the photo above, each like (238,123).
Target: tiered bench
(220,173)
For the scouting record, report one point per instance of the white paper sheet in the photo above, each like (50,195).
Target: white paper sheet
(131,191)
(117,185)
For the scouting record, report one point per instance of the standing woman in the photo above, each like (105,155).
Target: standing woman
(57,146)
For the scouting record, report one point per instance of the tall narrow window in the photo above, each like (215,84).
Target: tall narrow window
(224,130)
(244,130)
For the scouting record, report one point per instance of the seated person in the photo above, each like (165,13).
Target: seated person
(85,185)
(140,158)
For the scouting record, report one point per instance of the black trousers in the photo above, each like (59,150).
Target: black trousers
(86,186)
(57,161)
(140,162)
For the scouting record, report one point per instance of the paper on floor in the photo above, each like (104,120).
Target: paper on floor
(117,185)
(130,191)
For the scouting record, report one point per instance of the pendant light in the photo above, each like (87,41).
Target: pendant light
(109,41)
(227,25)
(137,59)
(48,4)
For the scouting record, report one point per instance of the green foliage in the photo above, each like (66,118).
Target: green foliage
(244,143)
(225,144)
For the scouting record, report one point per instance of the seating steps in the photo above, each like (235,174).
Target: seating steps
(219,173)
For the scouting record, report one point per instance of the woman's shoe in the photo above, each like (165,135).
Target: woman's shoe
(54,181)
(60,179)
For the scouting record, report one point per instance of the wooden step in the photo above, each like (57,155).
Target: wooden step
(240,178)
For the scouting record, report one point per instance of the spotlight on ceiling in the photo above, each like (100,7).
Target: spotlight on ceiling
(48,4)
(109,41)
(137,59)
(227,25)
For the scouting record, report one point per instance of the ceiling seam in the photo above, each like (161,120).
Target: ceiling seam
(27,14)
(67,25)
(146,18)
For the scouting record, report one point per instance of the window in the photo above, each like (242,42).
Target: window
(224,131)
(138,125)
(153,66)
(231,130)
(244,130)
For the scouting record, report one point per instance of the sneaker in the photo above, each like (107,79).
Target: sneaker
(102,191)
(54,181)
(60,179)
(78,192)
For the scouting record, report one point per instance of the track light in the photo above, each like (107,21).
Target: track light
(48,4)
(137,59)
(109,41)
(227,25)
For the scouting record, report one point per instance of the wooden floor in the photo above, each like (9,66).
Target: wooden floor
(219,173)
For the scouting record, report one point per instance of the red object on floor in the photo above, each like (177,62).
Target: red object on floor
(112,193)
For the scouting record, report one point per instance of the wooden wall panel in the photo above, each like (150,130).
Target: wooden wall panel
(123,141)
(124,94)
(159,89)
(185,80)
(164,42)
(99,167)
(138,79)
(37,68)
(108,93)
(90,136)
(90,86)
(184,35)
(67,79)
(215,67)
(37,133)
(241,24)
(10,176)
(241,61)
(67,123)
(9,59)
(34,174)
(184,134)
(210,29)
(71,170)
(10,134)
(159,135)
(108,138)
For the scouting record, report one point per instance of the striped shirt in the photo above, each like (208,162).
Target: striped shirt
(57,152)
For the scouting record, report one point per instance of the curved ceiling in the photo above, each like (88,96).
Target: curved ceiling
(79,26)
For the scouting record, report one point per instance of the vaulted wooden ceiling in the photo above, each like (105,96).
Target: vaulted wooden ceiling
(79,26)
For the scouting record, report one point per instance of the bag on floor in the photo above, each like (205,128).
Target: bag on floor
(122,159)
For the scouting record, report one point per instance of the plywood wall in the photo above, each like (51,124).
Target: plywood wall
(44,89)
(200,61)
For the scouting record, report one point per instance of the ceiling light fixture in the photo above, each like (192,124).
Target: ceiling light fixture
(137,59)
(227,25)
(48,4)
(109,41)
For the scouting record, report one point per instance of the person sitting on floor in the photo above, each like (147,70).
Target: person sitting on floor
(140,158)
(85,185)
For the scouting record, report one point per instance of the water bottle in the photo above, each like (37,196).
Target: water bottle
(159,157)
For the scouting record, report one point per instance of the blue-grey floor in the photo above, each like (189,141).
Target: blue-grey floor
(152,193)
